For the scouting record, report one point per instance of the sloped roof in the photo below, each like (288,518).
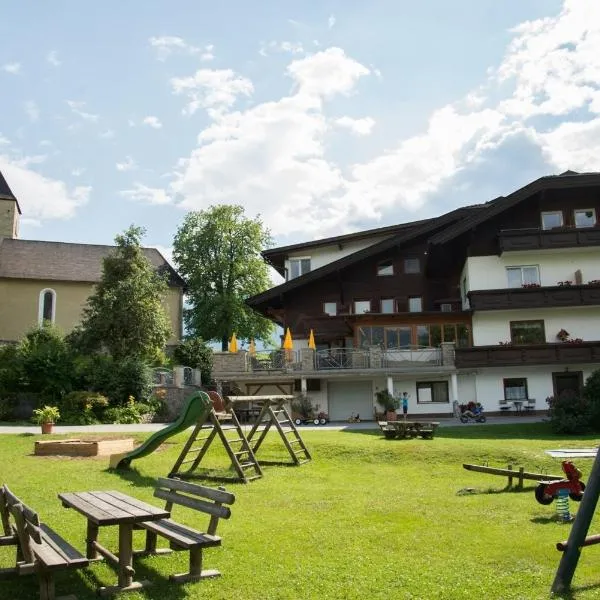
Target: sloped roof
(61,261)
(499,205)
(399,239)
(6,192)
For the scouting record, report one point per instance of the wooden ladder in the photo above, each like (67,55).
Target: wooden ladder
(274,414)
(226,426)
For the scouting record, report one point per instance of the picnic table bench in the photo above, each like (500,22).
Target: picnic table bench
(402,429)
(39,548)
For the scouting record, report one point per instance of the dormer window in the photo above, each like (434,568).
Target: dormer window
(412,265)
(552,219)
(298,266)
(584,218)
(47,306)
(385,268)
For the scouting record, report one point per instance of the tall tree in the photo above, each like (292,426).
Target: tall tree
(218,252)
(126,315)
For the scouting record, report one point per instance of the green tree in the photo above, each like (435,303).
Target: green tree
(218,252)
(126,315)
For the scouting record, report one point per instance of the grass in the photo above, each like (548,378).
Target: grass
(366,518)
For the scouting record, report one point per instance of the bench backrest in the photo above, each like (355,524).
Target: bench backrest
(27,524)
(197,497)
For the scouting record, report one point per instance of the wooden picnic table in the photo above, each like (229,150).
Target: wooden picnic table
(102,508)
(408,429)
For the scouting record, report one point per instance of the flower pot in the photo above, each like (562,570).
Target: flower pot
(47,427)
(391,415)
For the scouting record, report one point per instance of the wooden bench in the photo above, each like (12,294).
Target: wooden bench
(181,537)
(39,548)
(408,429)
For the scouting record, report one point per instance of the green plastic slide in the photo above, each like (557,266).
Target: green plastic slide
(198,406)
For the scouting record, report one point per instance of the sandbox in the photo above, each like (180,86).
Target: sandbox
(83,447)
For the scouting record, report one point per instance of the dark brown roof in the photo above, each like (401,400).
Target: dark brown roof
(61,261)
(6,192)
(499,205)
(399,239)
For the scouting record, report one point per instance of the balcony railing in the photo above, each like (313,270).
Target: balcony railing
(535,297)
(534,354)
(512,240)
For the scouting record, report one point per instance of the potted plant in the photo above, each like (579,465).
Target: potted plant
(46,417)
(388,403)
(563,335)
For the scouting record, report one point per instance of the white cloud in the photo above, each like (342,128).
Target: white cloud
(148,195)
(76,109)
(52,58)
(127,165)
(32,111)
(78,172)
(330,22)
(274,46)
(168,44)
(152,121)
(573,146)
(211,88)
(41,197)
(107,135)
(357,126)
(12,68)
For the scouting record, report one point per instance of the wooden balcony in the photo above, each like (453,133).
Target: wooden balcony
(536,297)
(517,240)
(535,354)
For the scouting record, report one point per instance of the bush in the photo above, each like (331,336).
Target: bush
(195,353)
(591,392)
(569,413)
(83,408)
(130,414)
(12,374)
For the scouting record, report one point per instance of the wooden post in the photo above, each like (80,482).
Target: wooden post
(570,558)
(521,471)
(92,536)
(510,477)
(125,555)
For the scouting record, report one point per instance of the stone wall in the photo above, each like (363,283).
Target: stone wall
(230,362)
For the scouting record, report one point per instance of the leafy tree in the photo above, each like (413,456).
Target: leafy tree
(194,353)
(125,315)
(218,252)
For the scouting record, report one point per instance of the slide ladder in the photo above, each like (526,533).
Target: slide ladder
(226,427)
(274,414)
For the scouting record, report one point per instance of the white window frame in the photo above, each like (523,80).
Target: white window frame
(330,313)
(552,212)
(446,307)
(420,299)
(392,300)
(41,305)
(584,210)
(298,259)
(362,312)
(521,267)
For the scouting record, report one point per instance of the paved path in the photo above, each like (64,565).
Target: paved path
(150,427)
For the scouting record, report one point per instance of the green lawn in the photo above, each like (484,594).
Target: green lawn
(366,518)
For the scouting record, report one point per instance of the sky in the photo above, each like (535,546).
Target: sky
(322,117)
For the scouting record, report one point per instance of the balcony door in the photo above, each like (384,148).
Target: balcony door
(567,380)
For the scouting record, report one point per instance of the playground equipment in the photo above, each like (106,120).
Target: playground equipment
(547,491)
(321,418)
(197,407)
(354,418)
(511,473)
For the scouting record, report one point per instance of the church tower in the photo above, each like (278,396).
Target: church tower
(9,211)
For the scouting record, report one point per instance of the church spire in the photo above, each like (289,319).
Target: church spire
(9,211)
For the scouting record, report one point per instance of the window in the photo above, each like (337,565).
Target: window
(515,389)
(298,266)
(412,265)
(385,268)
(584,218)
(415,304)
(330,308)
(47,306)
(388,306)
(428,336)
(552,219)
(362,306)
(432,391)
(527,332)
(446,307)
(520,276)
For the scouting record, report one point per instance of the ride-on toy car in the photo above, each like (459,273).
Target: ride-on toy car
(547,491)
(319,419)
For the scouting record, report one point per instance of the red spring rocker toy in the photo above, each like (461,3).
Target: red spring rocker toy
(547,491)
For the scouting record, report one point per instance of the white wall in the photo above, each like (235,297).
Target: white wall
(492,327)
(490,387)
(323,255)
(489,272)
(467,388)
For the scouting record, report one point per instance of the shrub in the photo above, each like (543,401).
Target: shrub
(83,407)
(387,400)
(591,392)
(130,414)
(195,353)
(569,413)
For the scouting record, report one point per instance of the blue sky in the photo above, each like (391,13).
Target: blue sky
(323,117)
